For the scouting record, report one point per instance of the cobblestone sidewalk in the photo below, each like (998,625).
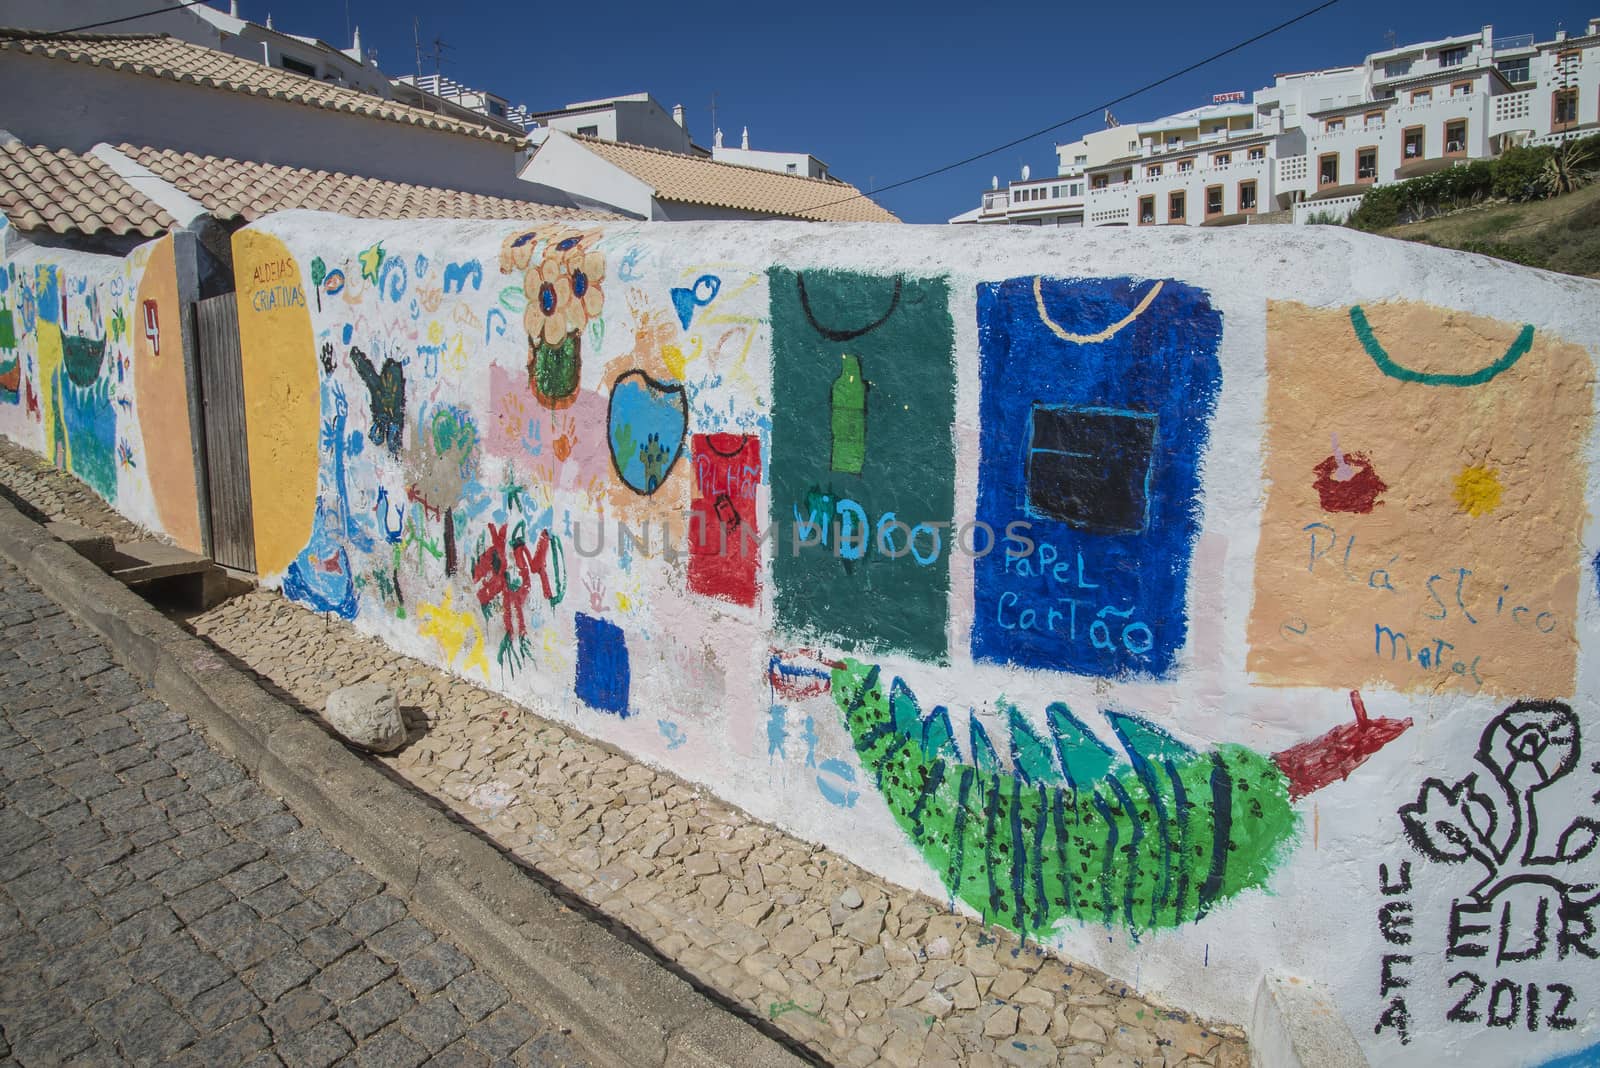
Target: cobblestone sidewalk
(861,971)
(156,906)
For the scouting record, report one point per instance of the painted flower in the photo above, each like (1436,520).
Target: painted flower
(585,275)
(549,293)
(516,251)
(567,246)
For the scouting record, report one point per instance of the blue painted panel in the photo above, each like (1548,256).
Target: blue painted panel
(1097,397)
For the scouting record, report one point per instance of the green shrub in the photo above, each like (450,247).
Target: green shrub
(1517,173)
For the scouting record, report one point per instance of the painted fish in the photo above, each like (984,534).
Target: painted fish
(1152,841)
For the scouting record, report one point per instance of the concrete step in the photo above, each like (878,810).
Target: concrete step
(89,544)
(154,568)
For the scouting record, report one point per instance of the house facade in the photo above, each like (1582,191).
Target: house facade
(1310,144)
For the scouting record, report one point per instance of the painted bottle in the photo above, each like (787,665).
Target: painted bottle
(849,417)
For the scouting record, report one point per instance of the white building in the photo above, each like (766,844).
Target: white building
(1310,144)
(636,119)
(802,163)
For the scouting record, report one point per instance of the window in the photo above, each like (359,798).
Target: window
(1461,89)
(1153,171)
(1396,68)
(1080,160)
(1373,118)
(1175,207)
(1221,159)
(1247,196)
(1099,181)
(1213,200)
(1185,166)
(1367,164)
(1421,96)
(1514,70)
(1455,137)
(1414,144)
(1453,57)
(1564,107)
(792,168)
(589,131)
(1333,126)
(497,109)
(290,63)
(1256,154)
(1328,169)
(1133,146)
(1147,210)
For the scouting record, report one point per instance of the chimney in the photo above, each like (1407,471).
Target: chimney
(744,141)
(233,8)
(355,44)
(269,20)
(716,139)
(677,115)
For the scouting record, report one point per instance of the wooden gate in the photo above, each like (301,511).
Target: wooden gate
(233,542)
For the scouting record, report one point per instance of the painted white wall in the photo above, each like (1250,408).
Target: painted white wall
(701,665)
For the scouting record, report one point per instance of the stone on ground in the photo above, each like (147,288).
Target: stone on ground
(367,715)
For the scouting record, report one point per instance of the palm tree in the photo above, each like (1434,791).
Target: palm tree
(1571,166)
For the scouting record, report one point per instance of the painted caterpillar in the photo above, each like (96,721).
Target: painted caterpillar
(1148,843)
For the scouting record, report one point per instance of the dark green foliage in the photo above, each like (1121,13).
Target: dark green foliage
(1421,197)
(1517,173)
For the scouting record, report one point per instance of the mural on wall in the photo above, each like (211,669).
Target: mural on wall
(723,537)
(1526,889)
(284,403)
(453,424)
(10,355)
(161,393)
(1097,396)
(1154,838)
(863,462)
(1424,515)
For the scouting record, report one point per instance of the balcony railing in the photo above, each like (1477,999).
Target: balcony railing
(1513,44)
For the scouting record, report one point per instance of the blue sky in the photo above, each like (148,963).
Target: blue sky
(885,91)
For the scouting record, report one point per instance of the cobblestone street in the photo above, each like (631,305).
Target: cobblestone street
(156,906)
(859,970)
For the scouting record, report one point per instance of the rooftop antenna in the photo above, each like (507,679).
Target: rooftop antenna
(347,20)
(416,39)
(1391,39)
(713,111)
(439,48)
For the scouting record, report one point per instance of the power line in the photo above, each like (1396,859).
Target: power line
(125,18)
(1085,114)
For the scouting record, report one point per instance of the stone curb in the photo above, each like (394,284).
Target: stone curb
(624,1007)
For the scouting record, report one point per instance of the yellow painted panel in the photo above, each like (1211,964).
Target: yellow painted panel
(282,406)
(1424,514)
(161,391)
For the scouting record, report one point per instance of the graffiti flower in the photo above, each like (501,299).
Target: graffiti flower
(549,292)
(516,251)
(568,246)
(586,275)
(1448,823)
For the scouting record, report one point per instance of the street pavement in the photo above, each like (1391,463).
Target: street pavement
(158,907)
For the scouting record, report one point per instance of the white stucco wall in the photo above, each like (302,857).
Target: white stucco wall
(1357,853)
(75,106)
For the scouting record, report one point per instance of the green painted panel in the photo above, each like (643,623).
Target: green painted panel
(863,411)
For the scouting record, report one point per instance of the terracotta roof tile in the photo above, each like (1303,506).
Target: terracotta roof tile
(45,188)
(238,189)
(696,180)
(161,56)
